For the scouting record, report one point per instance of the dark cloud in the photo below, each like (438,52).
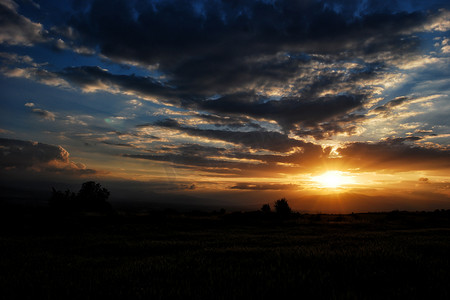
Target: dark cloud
(118,144)
(185,154)
(125,135)
(235,162)
(386,108)
(233,122)
(16,29)
(306,65)
(424,180)
(222,46)
(269,140)
(341,125)
(199,150)
(187,162)
(309,66)
(247,51)
(187,186)
(393,154)
(38,157)
(234,108)
(220,33)
(401,140)
(263,186)
(287,111)
(95,78)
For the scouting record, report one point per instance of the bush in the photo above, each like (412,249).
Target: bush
(266,208)
(62,200)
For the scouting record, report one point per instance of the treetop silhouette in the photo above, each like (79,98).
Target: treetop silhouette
(282,207)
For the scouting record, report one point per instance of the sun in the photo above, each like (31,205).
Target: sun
(332,179)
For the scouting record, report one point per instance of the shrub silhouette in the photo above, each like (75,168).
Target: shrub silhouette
(91,197)
(266,208)
(282,207)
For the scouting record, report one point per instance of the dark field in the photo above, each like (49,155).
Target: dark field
(168,255)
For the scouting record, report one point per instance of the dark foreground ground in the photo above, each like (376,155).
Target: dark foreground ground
(224,256)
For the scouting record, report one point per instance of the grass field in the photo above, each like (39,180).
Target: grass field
(224,256)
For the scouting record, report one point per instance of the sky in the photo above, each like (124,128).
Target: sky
(336,105)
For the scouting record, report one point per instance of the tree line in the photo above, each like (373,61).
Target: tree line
(91,197)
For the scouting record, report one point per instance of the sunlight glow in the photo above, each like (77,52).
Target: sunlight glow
(333,179)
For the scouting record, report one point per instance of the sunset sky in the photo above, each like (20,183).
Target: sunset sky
(338,106)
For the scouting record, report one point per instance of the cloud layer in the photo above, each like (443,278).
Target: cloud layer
(312,67)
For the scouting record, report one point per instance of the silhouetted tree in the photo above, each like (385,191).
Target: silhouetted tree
(93,196)
(282,207)
(266,208)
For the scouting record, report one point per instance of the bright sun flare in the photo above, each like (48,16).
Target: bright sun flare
(332,179)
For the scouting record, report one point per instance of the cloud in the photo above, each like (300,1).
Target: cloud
(118,144)
(386,108)
(257,140)
(347,125)
(304,65)
(44,114)
(92,79)
(393,154)
(225,47)
(222,31)
(287,111)
(307,66)
(234,110)
(234,161)
(440,21)
(5,131)
(15,59)
(264,186)
(18,155)
(16,29)
(187,155)
(35,73)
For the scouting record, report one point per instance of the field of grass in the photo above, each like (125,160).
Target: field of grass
(224,256)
